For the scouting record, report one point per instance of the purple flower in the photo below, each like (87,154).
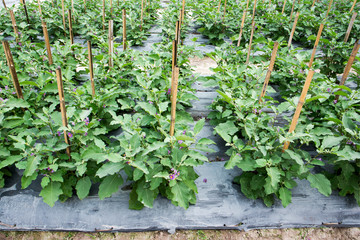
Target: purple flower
(260,111)
(132,58)
(222,159)
(99,119)
(335,101)
(74,90)
(172,176)
(44,94)
(85,134)
(138,119)
(180,141)
(238,154)
(6,87)
(19,43)
(13,92)
(205,180)
(184,132)
(32,154)
(320,159)
(180,147)
(255,110)
(169,151)
(59,133)
(328,90)
(104,106)
(70,134)
(86,120)
(105,78)
(0,89)
(349,142)
(169,91)
(150,102)
(72,123)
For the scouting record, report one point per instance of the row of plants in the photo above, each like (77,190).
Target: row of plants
(87,23)
(324,148)
(133,96)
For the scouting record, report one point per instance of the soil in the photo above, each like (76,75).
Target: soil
(202,65)
(273,234)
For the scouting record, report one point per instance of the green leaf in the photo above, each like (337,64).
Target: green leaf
(225,96)
(45,181)
(331,141)
(31,165)
(51,193)
(10,160)
(205,141)
(110,185)
(109,169)
(274,174)
(145,195)
(149,108)
(153,147)
(233,161)
(198,156)
(134,203)
(181,194)
(199,125)
(99,143)
(4,152)
(348,122)
(321,183)
(225,130)
(17,103)
(83,187)
(285,196)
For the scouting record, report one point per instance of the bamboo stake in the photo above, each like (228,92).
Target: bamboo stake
(313,3)
(111,43)
(39,5)
(70,28)
(85,5)
(91,68)
(327,13)
(283,9)
(73,9)
(13,21)
(25,10)
(47,42)
(299,106)
(124,29)
(348,65)
(62,107)
(268,74)
(180,17)
(350,26)
(103,14)
(183,10)
(142,13)
(292,9)
(173,63)
(10,62)
(3,1)
(269,3)
(352,8)
(315,45)
(63,16)
(252,33)
(224,10)
(177,32)
(174,85)
(293,29)
(242,23)
(219,6)
(111,8)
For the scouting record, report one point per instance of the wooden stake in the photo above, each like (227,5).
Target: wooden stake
(299,106)
(111,10)
(352,8)
(292,9)
(174,60)
(315,45)
(13,21)
(283,9)
(350,26)
(219,6)
(70,28)
(103,14)
(327,13)
(313,3)
(142,13)
(25,10)
(293,29)
(224,10)
(3,1)
(252,33)
(62,107)
(183,10)
(39,5)
(177,32)
(91,68)
(47,42)
(85,5)
(242,23)
(124,29)
(63,16)
(111,43)
(73,9)
(12,69)
(174,86)
(348,65)
(268,74)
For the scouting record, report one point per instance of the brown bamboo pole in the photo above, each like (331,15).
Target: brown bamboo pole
(269,3)
(174,85)
(63,16)
(91,68)
(85,5)
(73,9)
(242,23)
(283,9)
(70,28)
(252,33)
(40,11)
(299,106)
(313,3)
(142,14)
(293,29)
(62,107)
(103,14)
(111,42)
(173,63)
(25,10)
(13,21)
(348,65)
(350,26)
(316,44)
(177,32)
(3,1)
(329,7)
(224,10)
(47,42)
(180,17)
(111,8)
(268,74)
(10,62)
(292,9)
(124,29)
(219,6)
(183,10)
(352,8)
